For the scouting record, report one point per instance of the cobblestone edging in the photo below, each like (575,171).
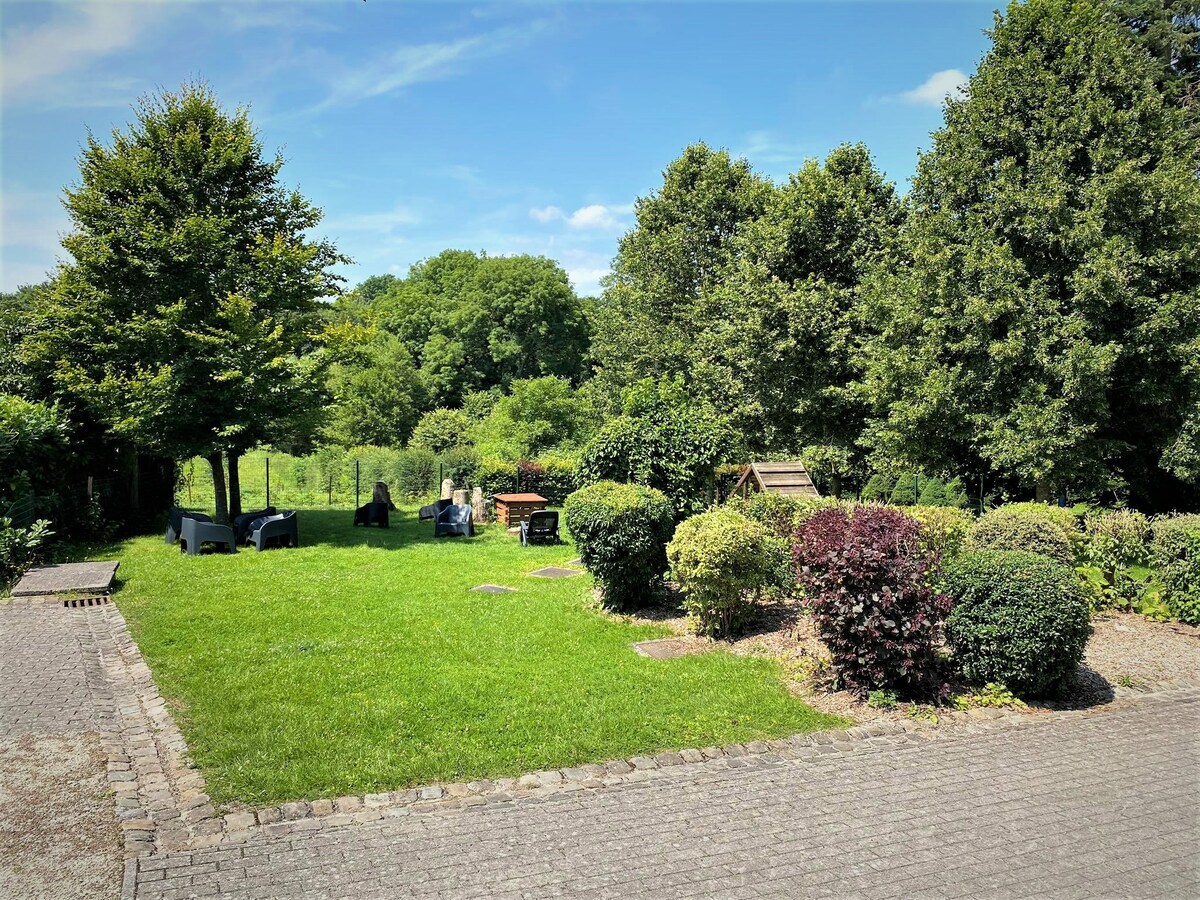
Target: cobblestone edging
(162,805)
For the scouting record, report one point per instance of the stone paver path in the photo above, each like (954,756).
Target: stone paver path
(58,832)
(1098,805)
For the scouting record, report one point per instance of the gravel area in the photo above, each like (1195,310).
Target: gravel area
(1125,650)
(58,837)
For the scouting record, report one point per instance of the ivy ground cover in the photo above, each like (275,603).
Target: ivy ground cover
(362,662)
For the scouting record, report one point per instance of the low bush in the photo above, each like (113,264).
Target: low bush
(1024,526)
(720,558)
(866,578)
(459,464)
(1176,553)
(621,532)
(1019,619)
(944,529)
(1115,542)
(878,489)
(555,477)
(780,514)
(440,429)
(20,548)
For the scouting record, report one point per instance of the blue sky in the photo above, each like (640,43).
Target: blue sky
(509,128)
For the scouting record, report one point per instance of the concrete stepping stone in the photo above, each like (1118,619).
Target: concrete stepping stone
(493,589)
(67,578)
(663,648)
(577,562)
(555,572)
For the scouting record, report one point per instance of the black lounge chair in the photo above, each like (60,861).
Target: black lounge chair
(242,524)
(175,523)
(278,530)
(372,514)
(194,533)
(431,511)
(542,528)
(454,520)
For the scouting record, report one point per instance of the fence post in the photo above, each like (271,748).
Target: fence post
(268,503)
(331,490)
(518,481)
(356,484)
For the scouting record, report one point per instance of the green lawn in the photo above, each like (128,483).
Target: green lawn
(361,662)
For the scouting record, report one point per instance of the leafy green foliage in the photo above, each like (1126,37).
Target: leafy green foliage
(377,397)
(441,429)
(1039,320)
(1115,542)
(1034,527)
(33,449)
(720,558)
(621,531)
(878,489)
(536,416)
(944,529)
(1019,619)
(666,440)
(905,491)
(473,322)
(19,547)
(866,578)
(992,696)
(1177,555)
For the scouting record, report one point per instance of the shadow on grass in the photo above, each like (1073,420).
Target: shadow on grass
(336,528)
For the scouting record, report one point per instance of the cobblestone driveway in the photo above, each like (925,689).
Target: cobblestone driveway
(1102,805)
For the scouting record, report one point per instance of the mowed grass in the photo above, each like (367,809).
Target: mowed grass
(362,662)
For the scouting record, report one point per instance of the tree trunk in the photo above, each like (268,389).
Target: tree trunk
(1042,491)
(135,485)
(218,475)
(235,484)
(835,485)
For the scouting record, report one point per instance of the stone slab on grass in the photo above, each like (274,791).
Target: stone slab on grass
(493,589)
(663,648)
(577,562)
(554,572)
(67,578)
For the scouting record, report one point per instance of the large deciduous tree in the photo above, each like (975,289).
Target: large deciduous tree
(1041,320)
(185,314)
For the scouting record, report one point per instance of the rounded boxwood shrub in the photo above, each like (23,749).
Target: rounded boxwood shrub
(866,577)
(1018,619)
(719,558)
(621,531)
(1023,526)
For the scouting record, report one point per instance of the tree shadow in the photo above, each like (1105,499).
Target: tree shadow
(336,528)
(1090,689)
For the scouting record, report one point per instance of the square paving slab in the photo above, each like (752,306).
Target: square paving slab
(494,589)
(555,572)
(577,561)
(663,648)
(78,578)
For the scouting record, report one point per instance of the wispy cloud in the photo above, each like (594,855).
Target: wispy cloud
(765,148)
(32,224)
(385,222)
(595,215)
(33,57)
(936,88)
(400,67)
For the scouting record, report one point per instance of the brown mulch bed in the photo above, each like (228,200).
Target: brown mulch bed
(1126,650)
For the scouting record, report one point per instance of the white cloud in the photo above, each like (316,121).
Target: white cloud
(404,66)
(936,88)
(386,222)
(586,280)
(34,56)
(595,215)
(764,148)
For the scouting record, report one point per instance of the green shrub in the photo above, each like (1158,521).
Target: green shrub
(720,558)
(1176,553)
(19,548)
(555,477)
(933,492)
(1023,526)
(459,464)
(621,531)
(779,513)
(904,493)
(944,529)
(440,429)
(956,494)
(1018,619)
(416,472)
(1115,541)
(878,489)
(495,476)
